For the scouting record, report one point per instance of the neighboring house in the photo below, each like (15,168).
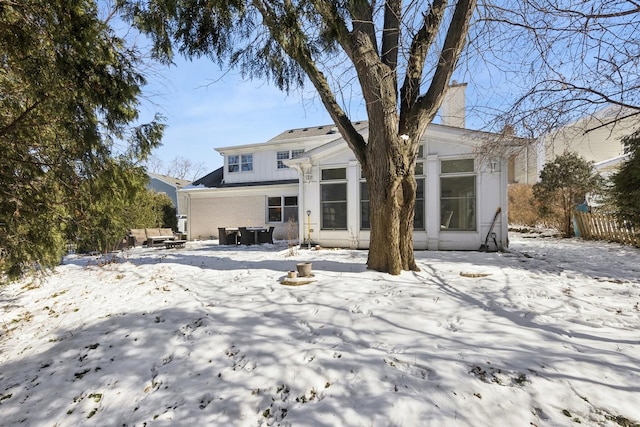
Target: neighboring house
(169,186)
(596,138)
(308,185)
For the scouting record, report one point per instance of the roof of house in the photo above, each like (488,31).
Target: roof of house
(315,131)
(174,182)
(215,180)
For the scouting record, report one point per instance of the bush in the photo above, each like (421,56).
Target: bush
(523,208)
(564,183)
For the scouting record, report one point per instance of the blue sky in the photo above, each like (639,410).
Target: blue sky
(206,108)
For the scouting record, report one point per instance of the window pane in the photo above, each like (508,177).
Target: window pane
(456,166)
(364,191)
(233,163)
(419,168)
(275,214)
(295,153)
(334,215)
(365,222)
(421,151)
(418,219)
(291,213)
(420,189)
(291,208)
(458,203)
(280,156)
(247,162)
(333,192)
(274,201)
(331,174)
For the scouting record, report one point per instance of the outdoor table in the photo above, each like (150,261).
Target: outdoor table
(151,240)
(256,231)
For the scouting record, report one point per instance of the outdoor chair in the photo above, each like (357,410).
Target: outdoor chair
(227,237)
(266,236)
(246,237)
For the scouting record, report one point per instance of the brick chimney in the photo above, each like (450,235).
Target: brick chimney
(452,110)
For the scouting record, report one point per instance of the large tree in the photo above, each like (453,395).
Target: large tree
(69,91)
(402,55)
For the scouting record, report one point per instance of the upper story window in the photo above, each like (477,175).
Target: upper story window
(243,162)
(286,155)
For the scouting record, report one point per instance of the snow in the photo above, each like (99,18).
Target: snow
(544,335)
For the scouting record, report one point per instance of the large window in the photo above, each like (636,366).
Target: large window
(458,195)
(282,209)
(333,199)
(285,155)
(242,162)
(418,219)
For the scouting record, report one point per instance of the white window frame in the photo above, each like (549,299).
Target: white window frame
(286,155)
(240,163)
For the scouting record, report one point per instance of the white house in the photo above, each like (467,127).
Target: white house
(308,185)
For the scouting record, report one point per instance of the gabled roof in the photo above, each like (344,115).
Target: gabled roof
(315,134)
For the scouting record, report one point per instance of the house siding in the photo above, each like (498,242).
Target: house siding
(208,212)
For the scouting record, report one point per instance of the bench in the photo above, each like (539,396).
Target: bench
(171,244)
(150,236)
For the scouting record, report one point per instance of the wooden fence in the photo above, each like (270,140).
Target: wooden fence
(594,226)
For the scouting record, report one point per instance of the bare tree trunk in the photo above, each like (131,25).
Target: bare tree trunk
(392,189)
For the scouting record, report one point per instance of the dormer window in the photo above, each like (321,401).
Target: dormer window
(237,163)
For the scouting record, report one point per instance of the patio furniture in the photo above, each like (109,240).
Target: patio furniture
(172,244)
(158,235)
(227,236)
(266,235)
(136,237)
(246,237)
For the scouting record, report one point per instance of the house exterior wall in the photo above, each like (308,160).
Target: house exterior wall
(490,195)
(162,187)
(594,146)
(234,206)
(210,210)
(178,199)
(522,167)
(597,139)
(265,160)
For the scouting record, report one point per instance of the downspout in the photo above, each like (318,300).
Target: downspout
(301,201)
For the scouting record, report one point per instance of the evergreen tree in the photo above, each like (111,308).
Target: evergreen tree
(69,93)
(564,183)
(626,183)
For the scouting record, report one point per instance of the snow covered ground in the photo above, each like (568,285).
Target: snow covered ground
(545,335)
